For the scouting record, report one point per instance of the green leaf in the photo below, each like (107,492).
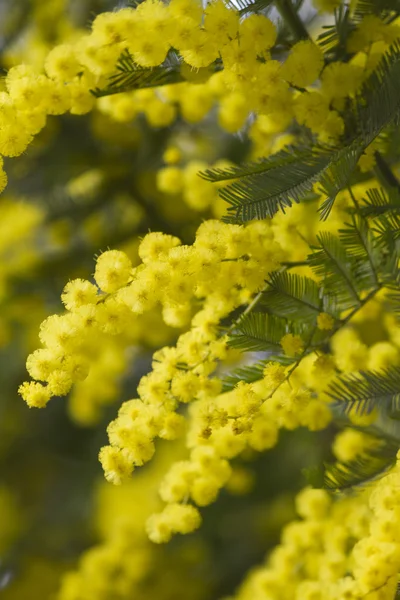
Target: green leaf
(363,470)
(260,189)
(337,174)
(392,298)
(359,242)
(378,102)
(131,76)
(336,269)
(259,332)
(379,201)
(334,37)
(367,390)
(382,8)
(283,158)
(387,229)
(249,374)
(292,296)
(283,181)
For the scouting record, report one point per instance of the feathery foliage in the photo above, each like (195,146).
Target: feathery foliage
(131,76)
(292,296)
(259,332)
(336,268)
(382,8)
(379,201)
(283,181)
(334,37)
(363,392)
(363,470)
(351,267)
(249,374)
(261,189)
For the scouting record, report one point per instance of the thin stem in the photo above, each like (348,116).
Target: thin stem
(292,19)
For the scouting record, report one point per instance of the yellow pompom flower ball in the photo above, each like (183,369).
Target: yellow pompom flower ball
(292,344)
(304,64)
(77,293)
(35,394)
(113,270)
(325,321)
(117,464)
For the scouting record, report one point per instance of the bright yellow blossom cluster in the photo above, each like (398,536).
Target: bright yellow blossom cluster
(250,80)
(171,275)
(342,550)
(315,558)
(191,287)
(189,297)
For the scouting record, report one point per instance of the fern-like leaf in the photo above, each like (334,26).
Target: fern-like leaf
(387,229)
(367,390)
(334,37)
(276,188)
(378,201)
(259,332)
(359,242)
(378,102)
(292,296)
(382,8)
(336,269)
(260,189)
(131,76)
(337,174)
(280,160)
(363,470)
(249,374)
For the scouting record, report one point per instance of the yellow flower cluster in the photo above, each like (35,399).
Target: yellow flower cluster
(346,549)
(189,284)
(250,80)
(172,276)
(316,556)
(144,569)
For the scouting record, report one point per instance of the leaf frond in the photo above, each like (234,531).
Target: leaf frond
(285,157)
(335,268)
(359,242)
(292,296)
(131,76)
(278,187)
(337,174)
(249,374)
(378,201)
(361,471)
(363,392)
(378,102)
(382,8)
(260,189)
(333,37)
(259,332)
